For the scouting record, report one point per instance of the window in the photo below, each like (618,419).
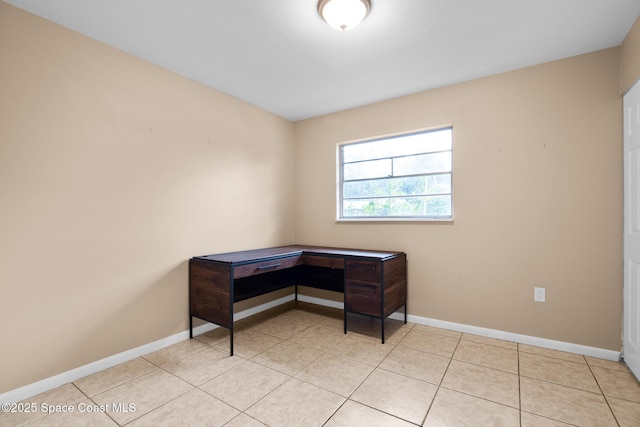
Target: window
(401,177)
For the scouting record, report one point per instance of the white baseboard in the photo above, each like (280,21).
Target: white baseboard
(490,333)
(108,362)
(320,301)
(513,337)
(88,369)
(50,383)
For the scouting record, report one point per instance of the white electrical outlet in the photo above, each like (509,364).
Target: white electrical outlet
(539,294)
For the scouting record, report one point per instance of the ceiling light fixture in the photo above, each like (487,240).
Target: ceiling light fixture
(343,15)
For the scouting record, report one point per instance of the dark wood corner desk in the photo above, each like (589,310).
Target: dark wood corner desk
(374,283)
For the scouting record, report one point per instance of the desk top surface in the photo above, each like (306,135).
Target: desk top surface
(255,255)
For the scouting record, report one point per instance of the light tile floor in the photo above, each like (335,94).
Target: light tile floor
(294,366)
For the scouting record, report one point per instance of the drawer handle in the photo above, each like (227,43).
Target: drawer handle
(266,267)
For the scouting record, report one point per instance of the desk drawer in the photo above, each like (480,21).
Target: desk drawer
(370,271)
(363,297)
(265,266)
(323,261)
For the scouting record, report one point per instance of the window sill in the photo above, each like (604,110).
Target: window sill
(432,220)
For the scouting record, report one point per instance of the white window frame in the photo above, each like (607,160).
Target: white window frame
(340,217)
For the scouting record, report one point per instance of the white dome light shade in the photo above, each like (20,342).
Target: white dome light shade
(343,15)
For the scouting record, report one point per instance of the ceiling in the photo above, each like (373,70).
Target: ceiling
(279,55)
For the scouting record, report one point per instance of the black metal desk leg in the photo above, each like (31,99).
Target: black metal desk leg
(345,321)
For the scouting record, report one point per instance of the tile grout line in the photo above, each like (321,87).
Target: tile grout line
(348,398)
(602,391)
(519,385)
(95,403)
(377,366)
(290,376)
(435,395)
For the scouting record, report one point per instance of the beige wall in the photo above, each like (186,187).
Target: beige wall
(630,58)
(113,172)
(537,199)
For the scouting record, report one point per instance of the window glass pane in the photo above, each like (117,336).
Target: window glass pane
(427,206)
(425,163)
(424,142)
(439,205)
(370,169)
(407,186)
(438,184)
